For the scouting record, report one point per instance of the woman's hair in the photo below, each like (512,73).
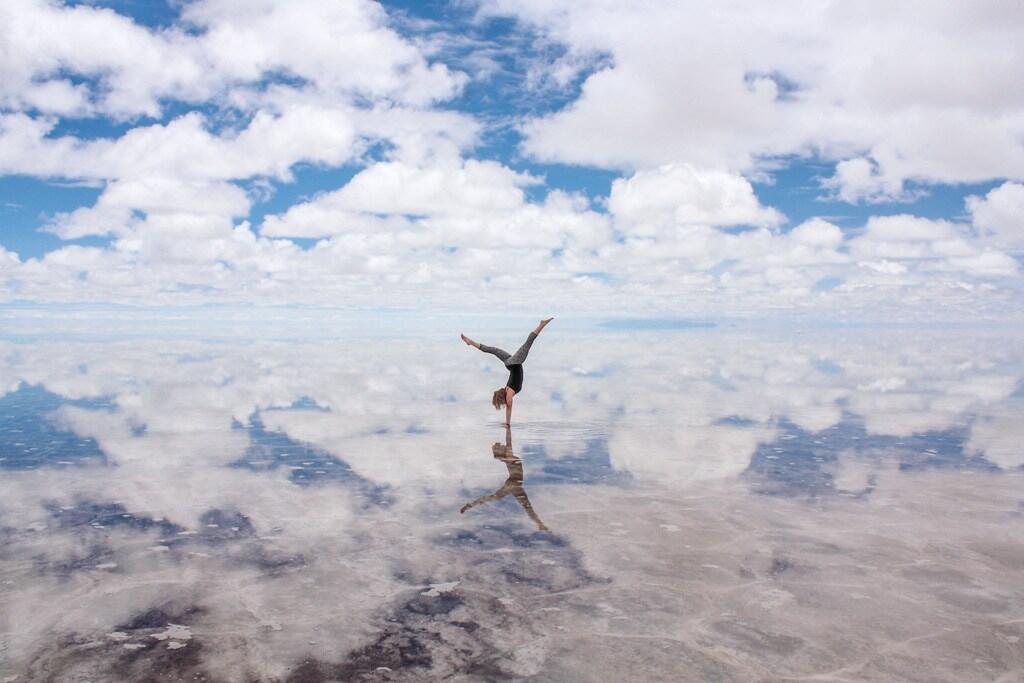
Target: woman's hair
(498,399)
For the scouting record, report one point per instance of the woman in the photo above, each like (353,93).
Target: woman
(514,363)
(513,485)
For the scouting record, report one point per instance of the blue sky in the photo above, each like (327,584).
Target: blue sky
(667,160)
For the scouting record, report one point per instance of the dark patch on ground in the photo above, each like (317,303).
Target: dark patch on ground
(269,450)
(105,515)
(395,650)
(304,403)
(234,535)
(754,641)
(30,438)
(800,463)
(590,465)
(145,659)
(160,617)
(219,526)
(230,531)
(94,555)
(421,641)
(502,535)
(779,565)
(434,605)
(736,421)
(434,634)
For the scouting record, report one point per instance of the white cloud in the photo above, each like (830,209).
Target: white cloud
(453,188)
(132,63)
(859,179)
(914,91)
(998,435)
(446,203)
(928,245)
(999,216)
(683,195)
(817,233)
(182,149)
(115,210)
(344,48)
(56,97)
(328,85)
(341,50)
(8,259)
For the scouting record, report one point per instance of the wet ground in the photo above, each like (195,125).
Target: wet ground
(705,504)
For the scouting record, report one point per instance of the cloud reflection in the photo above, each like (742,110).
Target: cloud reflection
(279,500)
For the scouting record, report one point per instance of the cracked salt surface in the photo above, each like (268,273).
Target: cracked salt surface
(175,631)
(436,589)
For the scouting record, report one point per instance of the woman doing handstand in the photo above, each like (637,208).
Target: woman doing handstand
(514,363)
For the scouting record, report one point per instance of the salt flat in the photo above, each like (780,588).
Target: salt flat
(676,505)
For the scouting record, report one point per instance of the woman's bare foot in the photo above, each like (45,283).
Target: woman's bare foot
(469,341)
(542,324)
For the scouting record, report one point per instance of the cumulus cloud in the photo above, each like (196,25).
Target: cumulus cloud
(998,434)
(118,209)
(184,148)
(682,194)
(344,50)
(928,245)
(999,215)
(442,189)
(912,91)
(446,203)
(860,179)
(425,213)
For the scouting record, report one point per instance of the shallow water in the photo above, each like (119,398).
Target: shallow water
(676,505)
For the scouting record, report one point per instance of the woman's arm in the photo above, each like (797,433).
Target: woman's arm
(509,393)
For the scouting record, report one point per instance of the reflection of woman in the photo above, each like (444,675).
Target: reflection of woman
(514,363)
(514,483)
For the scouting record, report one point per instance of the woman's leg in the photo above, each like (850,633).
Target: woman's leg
(493,350)
(519,356)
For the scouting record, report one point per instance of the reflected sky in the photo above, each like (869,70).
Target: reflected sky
(669,504)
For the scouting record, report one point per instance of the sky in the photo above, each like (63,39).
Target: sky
(828,160)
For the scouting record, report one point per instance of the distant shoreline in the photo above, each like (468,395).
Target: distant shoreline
(655,324)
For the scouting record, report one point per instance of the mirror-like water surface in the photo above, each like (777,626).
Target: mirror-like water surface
(668,505)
